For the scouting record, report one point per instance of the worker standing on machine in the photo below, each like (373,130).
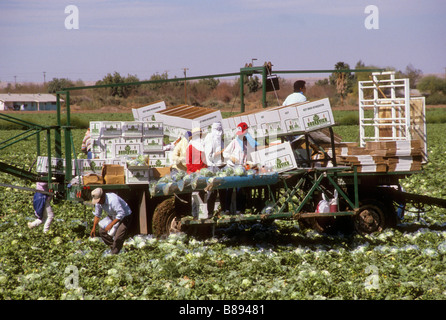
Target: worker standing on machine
(298,95)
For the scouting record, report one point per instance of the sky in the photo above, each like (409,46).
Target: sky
(142,38)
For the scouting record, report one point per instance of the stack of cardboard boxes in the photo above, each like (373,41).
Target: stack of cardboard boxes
(382,156)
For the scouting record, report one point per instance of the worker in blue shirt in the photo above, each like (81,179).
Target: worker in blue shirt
(114,228)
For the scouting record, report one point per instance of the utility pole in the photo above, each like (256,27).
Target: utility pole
(44,78)
(185,87)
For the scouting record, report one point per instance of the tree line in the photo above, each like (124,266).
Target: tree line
(341,88)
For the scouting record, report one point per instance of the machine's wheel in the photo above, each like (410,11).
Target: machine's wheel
(165,219)
(370,218)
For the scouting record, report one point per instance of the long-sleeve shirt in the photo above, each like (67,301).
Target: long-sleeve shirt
(295,97)
(86,142)
(114,206)
(239,151)
(213,145)
(179,155)
(195,157)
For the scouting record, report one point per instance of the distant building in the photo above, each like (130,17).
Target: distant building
(27,101)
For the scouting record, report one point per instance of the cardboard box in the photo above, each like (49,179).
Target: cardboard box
(315,115)
(146,113)
(289,119)
(113,174)
(92,178)
(279,158)
(187,117)
(160,172)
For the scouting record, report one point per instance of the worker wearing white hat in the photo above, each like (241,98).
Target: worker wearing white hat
(114,228)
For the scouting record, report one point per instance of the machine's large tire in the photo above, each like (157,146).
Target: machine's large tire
(166,219)
(370,218)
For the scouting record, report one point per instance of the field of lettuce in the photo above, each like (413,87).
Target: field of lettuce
(279,261)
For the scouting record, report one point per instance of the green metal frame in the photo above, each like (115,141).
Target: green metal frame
(69,152)
(33,129)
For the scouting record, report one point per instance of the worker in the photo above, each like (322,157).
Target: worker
(86,144)
(114,228)
(298,95)
(179,153)
(42,207)
(238,152)
(213,148)
(195,161)
(195,156)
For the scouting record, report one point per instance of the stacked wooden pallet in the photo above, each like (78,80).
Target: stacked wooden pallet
(382,156)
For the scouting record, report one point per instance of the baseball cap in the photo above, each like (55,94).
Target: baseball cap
(96,195)
(242,127)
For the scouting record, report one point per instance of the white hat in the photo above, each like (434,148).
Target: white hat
(96,195)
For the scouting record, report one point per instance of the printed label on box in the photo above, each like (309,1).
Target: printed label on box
(127,149)
(279,157)
(153,128)
(152,143)
(111,128)
(132,128)
(315,115)
(147,113)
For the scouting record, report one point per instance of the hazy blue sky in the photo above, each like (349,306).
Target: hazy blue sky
(209,37)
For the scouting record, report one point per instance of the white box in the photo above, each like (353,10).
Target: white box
(279,158)
(87,166)
(132,128)
(138,175)
(127,149)
(97,145)
(152,143)
(289,119)
(108,146)
(315,115)
(188,117)
(152,128)
(173,132)
(111,129)
(270,122)
(205,122)
(158,162)
(95,129)
(57,165)
(147,113)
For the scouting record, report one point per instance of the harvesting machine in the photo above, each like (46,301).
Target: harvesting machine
(330,183)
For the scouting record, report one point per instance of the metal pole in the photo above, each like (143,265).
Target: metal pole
(242,93)
(57,132)
(264,75)
(67,133)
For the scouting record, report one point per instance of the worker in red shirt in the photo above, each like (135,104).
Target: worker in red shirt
(195,156)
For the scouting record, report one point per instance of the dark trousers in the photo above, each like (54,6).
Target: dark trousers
(213,197)
(240,199)
(115,243)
